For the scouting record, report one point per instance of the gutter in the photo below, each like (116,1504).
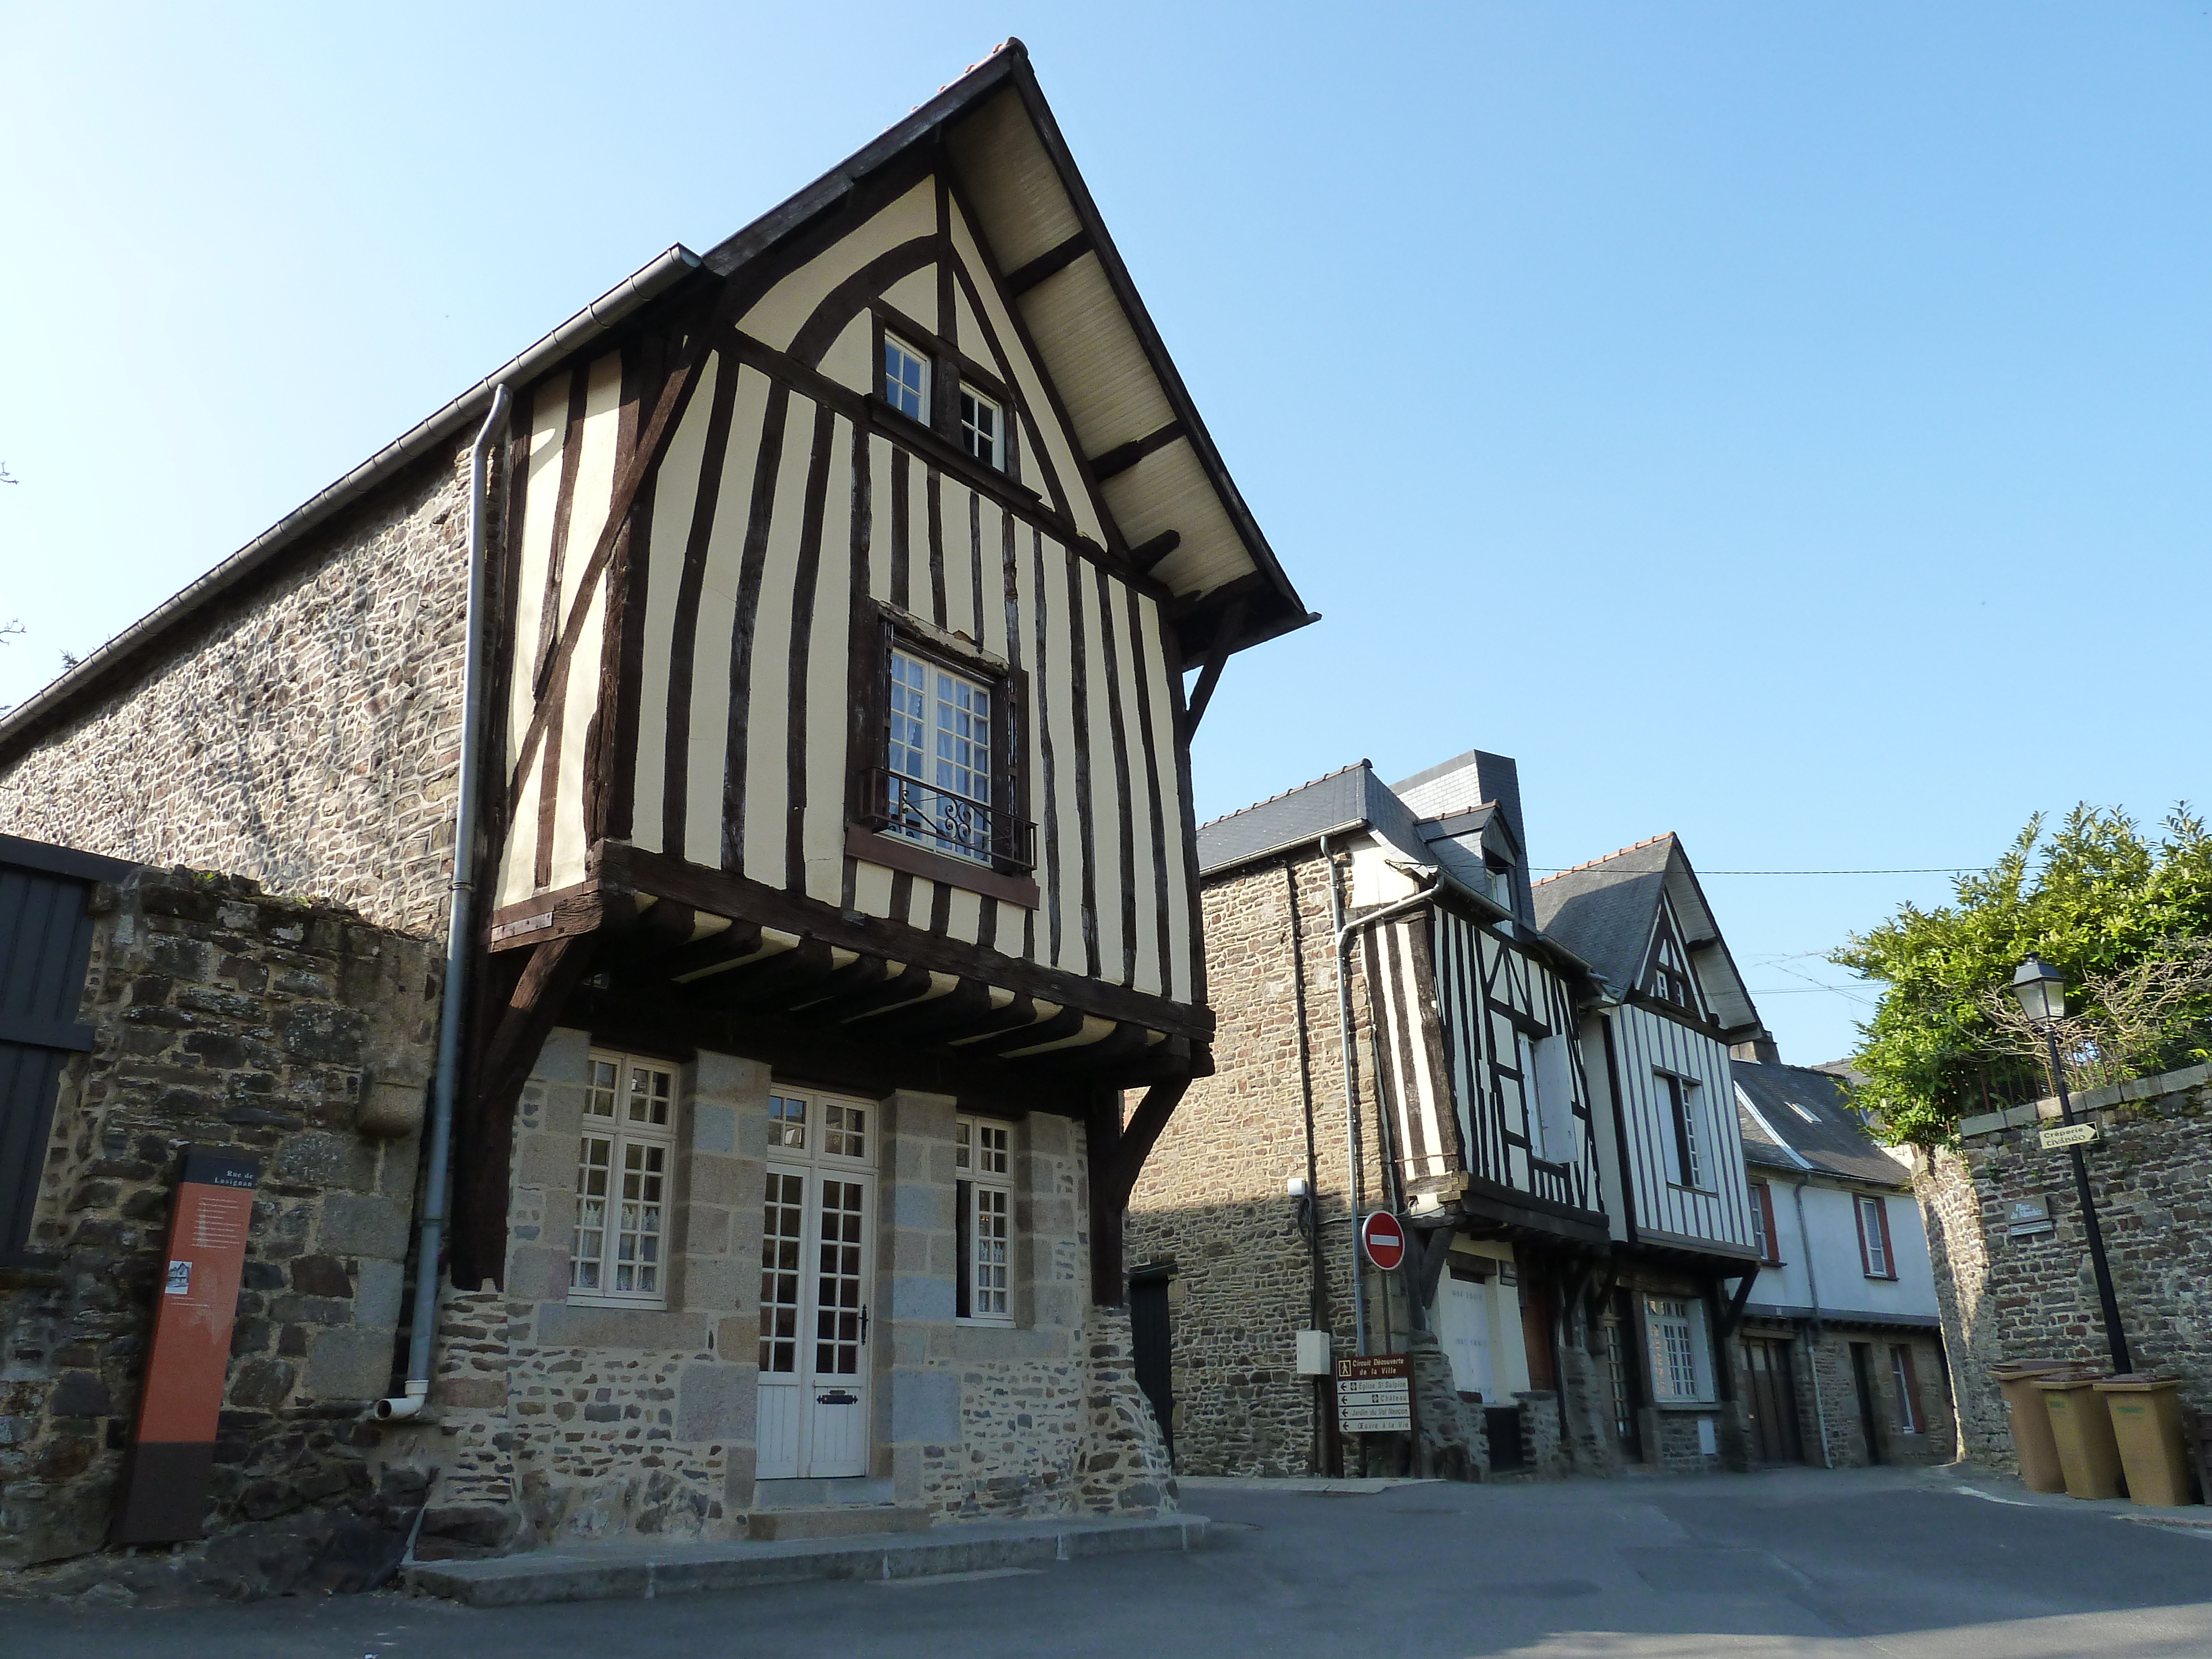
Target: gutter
(29,718)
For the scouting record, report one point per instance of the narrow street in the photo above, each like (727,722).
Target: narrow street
(1861,1562)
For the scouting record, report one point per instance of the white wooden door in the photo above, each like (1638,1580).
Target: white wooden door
(1463,1322)
(836,1404)
(818,1252)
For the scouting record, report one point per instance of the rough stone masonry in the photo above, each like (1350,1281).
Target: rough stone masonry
(293,1031)
(2012,1287)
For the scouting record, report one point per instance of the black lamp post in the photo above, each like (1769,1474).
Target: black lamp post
(2042,995)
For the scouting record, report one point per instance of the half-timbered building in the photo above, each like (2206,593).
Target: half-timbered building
(835,595)
(1655,1042)
(1445,1084)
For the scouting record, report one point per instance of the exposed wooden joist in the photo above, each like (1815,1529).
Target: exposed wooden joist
(717,892)
(1146,555)
(775,981)
(1122,457)
(935,1020)
(733,943)
(1051,263)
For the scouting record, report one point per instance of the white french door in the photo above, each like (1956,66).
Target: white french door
(817,1250)
(1463,1322)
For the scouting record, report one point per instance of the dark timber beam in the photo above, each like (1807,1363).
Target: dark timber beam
(1216,656)
(487,1149)
(1102,1145)
(733,943)
(1122,457)
(1137,1139)
(1051,263)
(933,1021)
(775,981)
(1733,1316)
(1146,554)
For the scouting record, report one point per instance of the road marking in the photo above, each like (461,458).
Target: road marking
(959,1577)
(1991,1498)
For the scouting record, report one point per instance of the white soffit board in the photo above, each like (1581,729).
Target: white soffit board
(1170,491)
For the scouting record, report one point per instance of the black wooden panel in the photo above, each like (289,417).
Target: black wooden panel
(45,943)
(1153,1339)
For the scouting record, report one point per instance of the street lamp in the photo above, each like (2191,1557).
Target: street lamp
(2042,993)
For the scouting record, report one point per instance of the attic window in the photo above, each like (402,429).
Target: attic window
(906,379)
(1501,882)
(983,429)
(1809,1117)
(1670,971)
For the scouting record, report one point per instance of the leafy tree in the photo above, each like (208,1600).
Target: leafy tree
(2101,901)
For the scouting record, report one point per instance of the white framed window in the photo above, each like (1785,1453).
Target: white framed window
(1874,1254)
(939,758)
(983,429)
(1675,1328)
(983,1160)
(906,379)
(1908,1388)
(1680,1095)
(617,1250)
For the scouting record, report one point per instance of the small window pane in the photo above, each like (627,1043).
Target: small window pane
(906,379)
(982,428)
(787,1121)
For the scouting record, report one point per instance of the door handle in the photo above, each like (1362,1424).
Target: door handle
(864,1325)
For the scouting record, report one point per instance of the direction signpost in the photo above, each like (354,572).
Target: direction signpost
(1375,1395)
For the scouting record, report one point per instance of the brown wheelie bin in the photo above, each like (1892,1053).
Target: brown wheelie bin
(2029,1423)
(2087,1454)
(2145,1413)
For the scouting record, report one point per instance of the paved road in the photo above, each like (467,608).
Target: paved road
(1806,1564)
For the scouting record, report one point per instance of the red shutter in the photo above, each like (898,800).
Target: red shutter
(1914,1422)
(1888,1254)
(1766,1211)
(1858,1214)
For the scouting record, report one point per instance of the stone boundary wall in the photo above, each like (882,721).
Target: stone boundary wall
(304,732)
(2033,1296)
(224,1017)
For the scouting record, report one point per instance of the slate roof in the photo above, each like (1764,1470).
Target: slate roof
(1786,1110)
(1603,910)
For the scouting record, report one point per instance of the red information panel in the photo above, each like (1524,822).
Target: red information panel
(166,1481)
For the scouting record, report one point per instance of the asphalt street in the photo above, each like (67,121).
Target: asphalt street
(1894,1563)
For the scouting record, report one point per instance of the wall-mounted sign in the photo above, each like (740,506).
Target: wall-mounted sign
(165,1479)
(2070,1134)
(1383,1237)
(2027,1216)
(1375,1395)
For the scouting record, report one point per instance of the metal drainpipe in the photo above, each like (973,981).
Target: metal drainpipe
(1812,1355)
(437,1185)
(1343,930)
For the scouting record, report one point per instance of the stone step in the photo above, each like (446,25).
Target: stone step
(635,1569)
(814,1494)
(836,1521)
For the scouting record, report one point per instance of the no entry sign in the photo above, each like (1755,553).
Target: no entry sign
(1384,1239)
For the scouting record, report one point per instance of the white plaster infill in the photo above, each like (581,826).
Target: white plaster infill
(641,1569)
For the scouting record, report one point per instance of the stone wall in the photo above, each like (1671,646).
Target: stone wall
(224,1017)
(1822,1362)
(2033,1296)
(1211,1203)
(304,734)
(557,1421)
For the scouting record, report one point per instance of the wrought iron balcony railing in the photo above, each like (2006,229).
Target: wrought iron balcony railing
(944,822)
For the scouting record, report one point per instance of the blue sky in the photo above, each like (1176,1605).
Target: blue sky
(1787,426)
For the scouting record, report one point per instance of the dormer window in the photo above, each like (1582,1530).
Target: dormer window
(983,429)
(1501,882)
(1670,980)
(906,379)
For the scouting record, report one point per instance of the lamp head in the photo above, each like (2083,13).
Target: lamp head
(2041,991)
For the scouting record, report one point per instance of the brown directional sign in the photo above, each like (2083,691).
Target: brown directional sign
(165,1481)
(1375,1395)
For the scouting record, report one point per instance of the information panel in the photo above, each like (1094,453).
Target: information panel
(1375,1395)
(165,1479)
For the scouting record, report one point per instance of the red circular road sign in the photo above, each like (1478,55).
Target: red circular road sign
(1384,1238)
